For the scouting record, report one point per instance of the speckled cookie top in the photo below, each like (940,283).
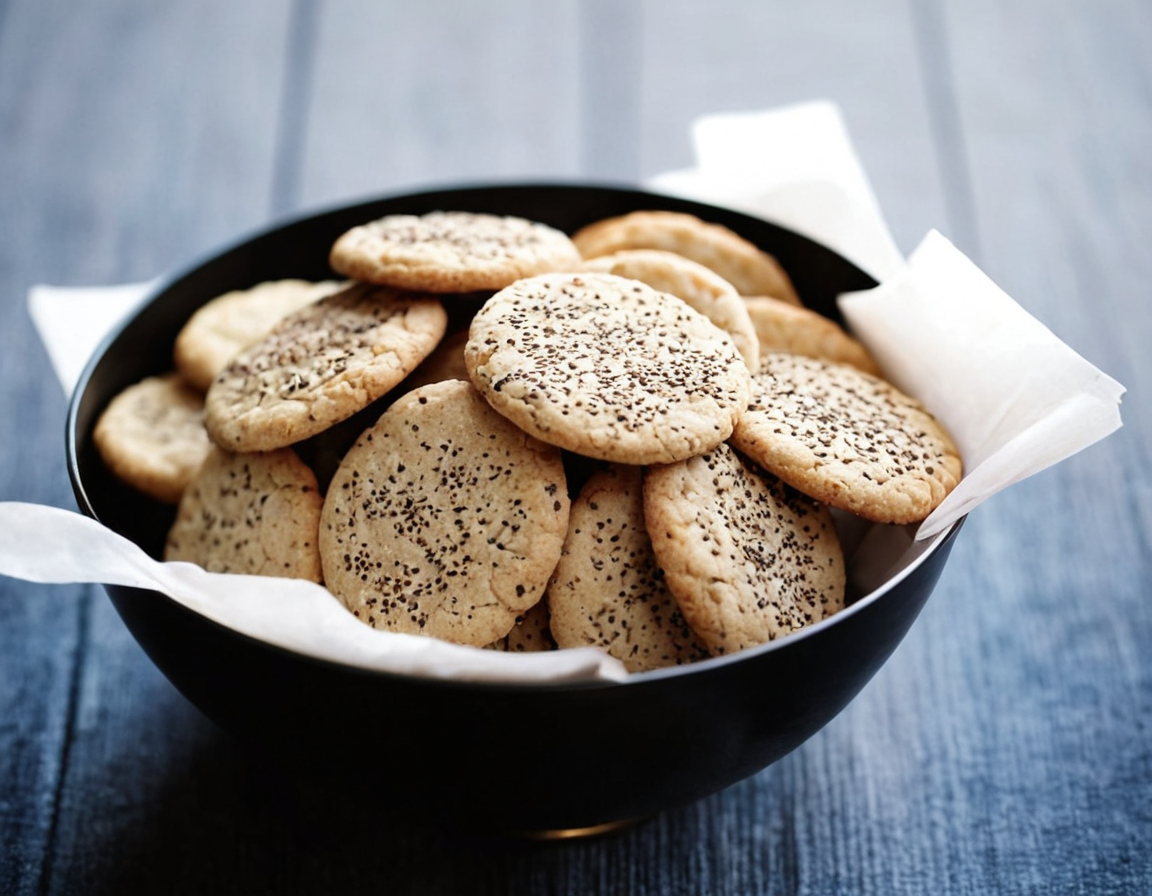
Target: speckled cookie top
(607,367)
(847,438)
(444,519)
(451,251)
(320,365)
(752,271)
(748,558)
(152,436)
(608,591)
(252,514)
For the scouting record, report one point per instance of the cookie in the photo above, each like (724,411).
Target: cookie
(608,590)
(226,325)
(152,436)
(701,288)
(752,271)
(444,519)
(253,514)
(530,634)
(320,365)
(451,252)
(848,439)
(748,558)
(608,368)
(445,363)
(781,327)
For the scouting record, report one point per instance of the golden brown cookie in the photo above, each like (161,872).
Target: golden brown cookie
(320,365)
(252,514)
(445,363)
(701,288)
(781,327)
(848,439)
(752,271)
(608,591)
(530,634)
(451,252)
(607,367)
(748,558)
(444,519)
(152,436)
(219,330)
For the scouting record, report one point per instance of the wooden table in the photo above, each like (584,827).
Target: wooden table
(1005,748)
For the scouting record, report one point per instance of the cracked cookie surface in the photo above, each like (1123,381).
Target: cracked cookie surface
(444,519)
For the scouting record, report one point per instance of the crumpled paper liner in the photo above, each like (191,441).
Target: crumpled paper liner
(1014,397)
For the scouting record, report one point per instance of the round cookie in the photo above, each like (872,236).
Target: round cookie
(152,436)
(607,590)
(252,514)
(608,368)
(781,327)
(530,634)
(451,252)
(701,288)
(848,439)
(444,519)
(226,325)
(750,270)
(445,363)
(320,365)
(748,558)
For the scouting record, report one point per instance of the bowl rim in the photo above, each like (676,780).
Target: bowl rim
(160,285)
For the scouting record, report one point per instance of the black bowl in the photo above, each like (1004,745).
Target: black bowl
(518,757)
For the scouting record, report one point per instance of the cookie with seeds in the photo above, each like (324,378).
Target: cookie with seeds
(608,590)
(701,288)
(752,271)
(252,514)
(781,327)
(444,519)
(451,252)
(530,634)
(152,436)
(847,438)
(748,558)
(320,365)
(607,368)
(229,323)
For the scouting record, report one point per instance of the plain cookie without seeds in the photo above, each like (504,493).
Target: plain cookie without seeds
(608,368)
(152,436)
(228,324)
(781,327)
(451,252)
(749,269)
(748,558)
(321,365)
(251,514)
(702,288)
(444,519)
(847,438)
(608,590)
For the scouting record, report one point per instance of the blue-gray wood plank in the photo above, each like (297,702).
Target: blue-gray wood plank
(1005,747)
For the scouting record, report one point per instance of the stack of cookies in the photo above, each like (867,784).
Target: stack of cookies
(634,443)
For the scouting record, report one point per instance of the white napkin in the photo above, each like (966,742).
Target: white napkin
(1014,397)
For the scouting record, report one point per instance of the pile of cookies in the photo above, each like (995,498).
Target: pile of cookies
(634,442)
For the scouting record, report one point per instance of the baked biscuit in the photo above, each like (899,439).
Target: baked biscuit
(848,439)
(445,363)
(608,368)
(530,634)
(701,288)
(320,365)
(252,514)
(608,590)
(781,327)
(444,519)
(752,271)
(451,252)
(226,325)
(748,558)
(152,436)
